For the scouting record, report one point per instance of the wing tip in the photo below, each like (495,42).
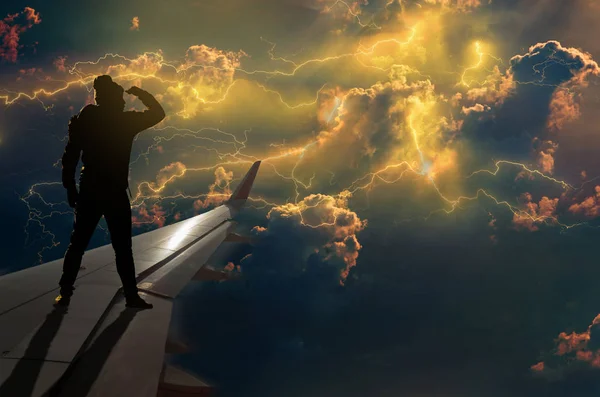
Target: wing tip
(243,190)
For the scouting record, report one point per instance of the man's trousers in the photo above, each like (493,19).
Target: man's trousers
(91,206)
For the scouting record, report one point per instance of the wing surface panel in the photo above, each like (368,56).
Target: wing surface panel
(39,343)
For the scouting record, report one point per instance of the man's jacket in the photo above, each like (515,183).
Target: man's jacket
(105,138)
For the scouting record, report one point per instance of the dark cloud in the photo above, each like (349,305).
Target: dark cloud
(401,318)
(537,94)
(551,64)
(317,229)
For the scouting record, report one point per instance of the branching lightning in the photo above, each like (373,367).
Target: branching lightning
(194,86)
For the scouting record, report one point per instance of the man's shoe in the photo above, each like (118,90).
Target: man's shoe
(62,301)
(137,302)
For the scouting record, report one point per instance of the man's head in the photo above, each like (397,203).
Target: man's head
(108,93)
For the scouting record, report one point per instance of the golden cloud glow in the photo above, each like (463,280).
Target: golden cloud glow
(385,106)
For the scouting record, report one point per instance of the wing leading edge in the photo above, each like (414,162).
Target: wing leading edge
(97,347)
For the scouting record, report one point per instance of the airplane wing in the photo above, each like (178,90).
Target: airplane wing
(97,347)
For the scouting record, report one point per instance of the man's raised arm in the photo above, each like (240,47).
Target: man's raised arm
(149,117)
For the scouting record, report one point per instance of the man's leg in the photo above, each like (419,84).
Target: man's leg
(118,217)
(87,215)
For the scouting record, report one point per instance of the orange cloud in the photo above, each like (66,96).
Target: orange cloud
(535,213)
(259,229)
(547,149)
(455,99)
(231,267)
(348,251)
(218,192)
(576,345)
(329,220)
(32,16)
(546,162)
(37,72)
(495,89)
(477,108)
(145,64)
(145,216)
(168,172)
(217,65)
(524,175)
(135,24)
(329,103)
(11,28)
(209,72)
(59,64)
(590,207)
(539,367)
(563,109)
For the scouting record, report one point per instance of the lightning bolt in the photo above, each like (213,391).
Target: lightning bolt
(231,150)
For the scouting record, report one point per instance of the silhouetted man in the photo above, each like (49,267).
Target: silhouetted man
(104,134)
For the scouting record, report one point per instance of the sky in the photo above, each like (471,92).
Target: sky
(425,219)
